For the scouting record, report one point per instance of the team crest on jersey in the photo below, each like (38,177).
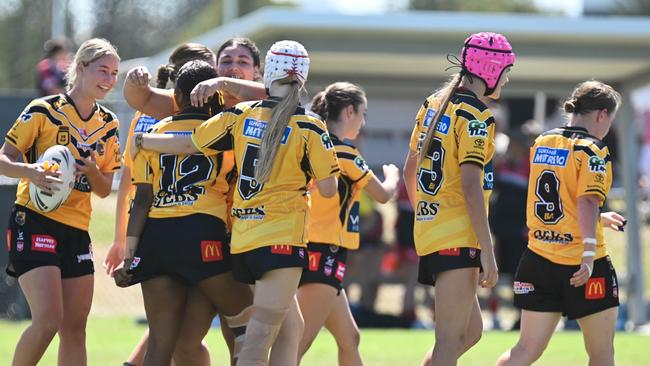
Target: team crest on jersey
(255,129)
(596,164)
(476,128)
(63,135)
(361,163)
(550,156)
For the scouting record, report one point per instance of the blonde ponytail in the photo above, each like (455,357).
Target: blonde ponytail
(274,132)
(444,95)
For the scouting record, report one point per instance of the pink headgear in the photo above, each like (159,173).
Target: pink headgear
(485,55)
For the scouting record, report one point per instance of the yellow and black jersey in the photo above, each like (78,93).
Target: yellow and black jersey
(335,220)
(54,120)
(273,213)
(565,163)
(465,134)
(184,184)
(140,123)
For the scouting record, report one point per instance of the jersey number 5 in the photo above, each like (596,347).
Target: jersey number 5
(247,185)
(549,208)
(430,180)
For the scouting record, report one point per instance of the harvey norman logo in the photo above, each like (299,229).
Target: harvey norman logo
(549,156)
(255,128)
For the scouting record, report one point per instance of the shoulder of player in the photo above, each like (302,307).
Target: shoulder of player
(345,151)
(471,109)
(592,148)
(308,123)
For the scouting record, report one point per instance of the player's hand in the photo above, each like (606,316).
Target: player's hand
(114,257)
(205,90)
(390,170)
(613,220)
(490,274)
(584,273)
(87,166)
(44,176)
(138,77)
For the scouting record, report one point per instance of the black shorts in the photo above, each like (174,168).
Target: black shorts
(188,248)
(541,285)
(446,260)
(250,266)
(326,265)
(37,241)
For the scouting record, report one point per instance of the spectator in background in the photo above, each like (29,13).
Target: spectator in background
(52,69)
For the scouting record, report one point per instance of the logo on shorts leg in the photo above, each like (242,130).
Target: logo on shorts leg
(20,218)
(453,252)
(86,257)
(44,243)
(329,263)
(211,251)
(522,288)
(282,249)
(314,260)
(595,288)
(20,241)
(340,271)
(472,253)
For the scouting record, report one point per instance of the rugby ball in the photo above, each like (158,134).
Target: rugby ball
(46,201)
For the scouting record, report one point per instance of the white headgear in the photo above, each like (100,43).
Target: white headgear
(285,59)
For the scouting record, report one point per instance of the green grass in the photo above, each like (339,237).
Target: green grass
(110,340)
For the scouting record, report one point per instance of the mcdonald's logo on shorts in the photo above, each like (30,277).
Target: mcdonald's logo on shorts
(211,251)
(595,288)
(314,260)
(281,249)
(454,252)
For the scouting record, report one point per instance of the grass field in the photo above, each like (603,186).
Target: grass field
(110,340)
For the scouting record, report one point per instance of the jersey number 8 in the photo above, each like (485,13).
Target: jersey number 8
(549,208)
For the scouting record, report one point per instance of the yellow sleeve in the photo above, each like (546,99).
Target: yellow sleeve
(141,170)
(474,135)
(140,123)
(215,135)
(25,129)
(320,150)
(354,166)
(594,171)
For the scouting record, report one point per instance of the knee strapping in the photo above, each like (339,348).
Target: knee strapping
(239,320)
(261,331)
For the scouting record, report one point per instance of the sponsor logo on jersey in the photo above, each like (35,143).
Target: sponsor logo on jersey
(144,123)
(476,128)
(442,126)
(255,129)
(179,133)
(25,117)
(596,164)
(426,211)
(43,243)
(169,199)
(488,176)
(361,164)
(327,141)
(353,218)
(522,288)
(211,251)
(595,288)
(550,156)
(248,213)
(86,257)
(553,237)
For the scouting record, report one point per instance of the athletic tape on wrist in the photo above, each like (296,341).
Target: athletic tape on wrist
(589,241)
(588,253)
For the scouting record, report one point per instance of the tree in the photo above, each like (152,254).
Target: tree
(632,7)
(505,6)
